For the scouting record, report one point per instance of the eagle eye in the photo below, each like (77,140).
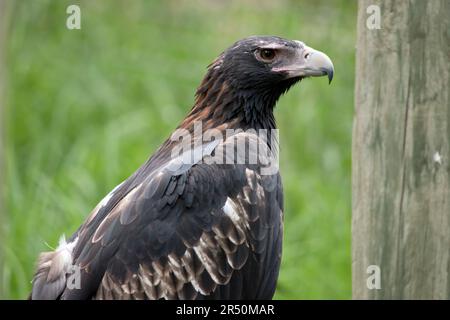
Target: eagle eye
(266,55)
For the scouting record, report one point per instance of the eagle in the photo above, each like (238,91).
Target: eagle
(202,218)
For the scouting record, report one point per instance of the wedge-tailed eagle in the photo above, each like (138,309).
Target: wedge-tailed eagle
(210,227)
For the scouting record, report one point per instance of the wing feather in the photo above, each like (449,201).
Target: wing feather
(197,232)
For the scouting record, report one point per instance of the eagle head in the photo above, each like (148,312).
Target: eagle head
(243,83)
(265,62)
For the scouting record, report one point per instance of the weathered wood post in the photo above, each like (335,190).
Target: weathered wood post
(401,158)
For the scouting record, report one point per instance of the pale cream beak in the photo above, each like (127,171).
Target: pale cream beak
(310,63)
(316,64)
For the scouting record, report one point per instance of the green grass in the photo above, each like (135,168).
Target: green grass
(85,108)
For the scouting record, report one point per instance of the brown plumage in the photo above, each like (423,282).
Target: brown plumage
(203,229)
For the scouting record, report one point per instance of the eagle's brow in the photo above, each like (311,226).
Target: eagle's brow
(273,45)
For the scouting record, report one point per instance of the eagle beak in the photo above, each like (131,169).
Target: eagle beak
(312,63)
(317,64)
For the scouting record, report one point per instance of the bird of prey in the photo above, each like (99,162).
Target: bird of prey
(207,228)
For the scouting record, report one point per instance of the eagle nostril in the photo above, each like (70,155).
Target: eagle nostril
(307,55)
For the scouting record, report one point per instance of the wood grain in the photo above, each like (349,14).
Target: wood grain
(401,192)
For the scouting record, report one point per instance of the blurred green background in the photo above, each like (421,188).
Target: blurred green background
(84,108)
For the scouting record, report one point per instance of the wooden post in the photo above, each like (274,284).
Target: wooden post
(401,158)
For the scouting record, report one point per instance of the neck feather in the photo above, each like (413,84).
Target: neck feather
(219,104)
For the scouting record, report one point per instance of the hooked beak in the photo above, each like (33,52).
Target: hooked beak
(311,63)
(316,64)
